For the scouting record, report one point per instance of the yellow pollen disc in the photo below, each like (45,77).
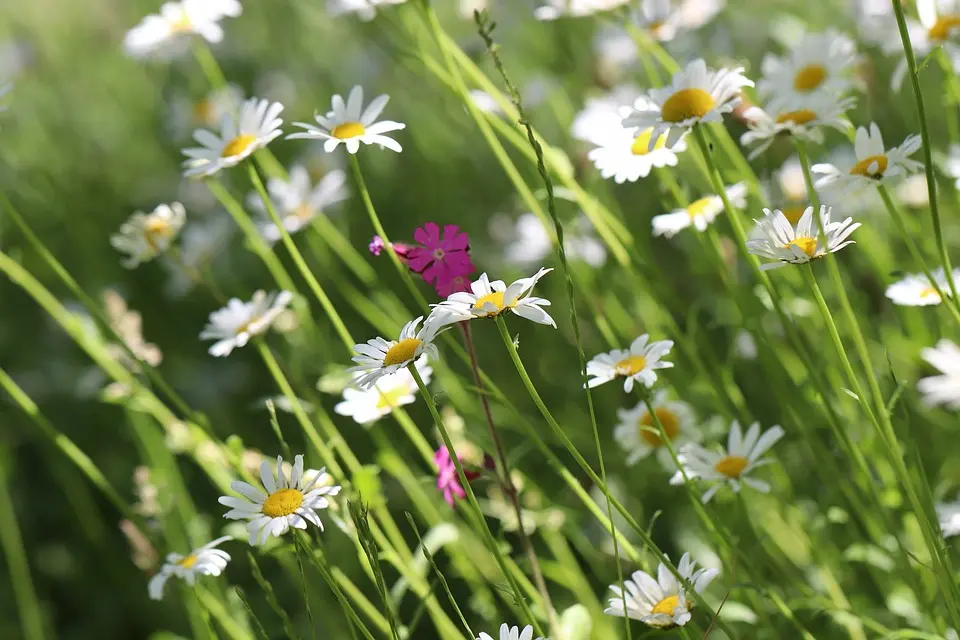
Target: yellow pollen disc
(862,168)
(348,130)
(685,104)
(630,366)
(809,77)
(402,351)
(668,420)
(188,562)
(182,24)
(793,214)
(943,26)
(801,116)
(282,503)
(699,207)
(929,292)
(807,245)
(641,143)
(238,145)
(731,466)
(155,230)
(303,212)
(495,298)
(390,399)
(667,606)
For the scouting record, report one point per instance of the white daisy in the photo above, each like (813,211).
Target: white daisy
(594,121)
(819,64)
(349,123)
(915,289)
(205,561)
(624,154)
(167,33)
(289,502)
(663,19)
(234,325)
(188,114)
(695,95)
(699,213)
(488,299)
(945,388)
(639,363)
(379,357)
(554,9)
(874,163)
(365,9)
(660,602)
(939,26)
(508,633)
(144,236)
(805,123)
(733,465)
(255,126)
(637,433)
(297,202)
(390,391)
(948,514)
(776,238)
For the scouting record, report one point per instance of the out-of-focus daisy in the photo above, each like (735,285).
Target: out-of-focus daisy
(915,289)
(554,9)
(255,126)
(144,236)
(699,213)
(660,602)
(874,163)
(948,514)
(297,202)
(379,357)
(390,391)
(625,154)
(637,433)
(166,33)
(511,633)
(528,243)
(365,9)
(187,114)
(776,238)
(823,110)
(205,561)
(787,190)
(234,325)
(488,299)
(663,19)
(695,94)
(819,64)
(733,465)
(945,388)
(639,363)
(288,502)
(201,244)
(939,26)
(349,123)
(912,191)
(599,111)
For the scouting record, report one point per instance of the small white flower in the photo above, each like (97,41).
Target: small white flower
(639,363)
(508,633)
(624,153)
(144,236)
(593,122)
(205,561)
(379,357)
(288,502)
(943,389)
(554,9)
(530,243)
(915,290)
(167,33)
(388,393)
(187,114)
(297,202)
(806,123)
(698,214)
(775,238)
(820,64)
(637,433)
(733,465)
(660,602)
(256,126)
(488,299)
(349,123)
(234,325)
(365,9)
(874,164)
(948,513)
(695,94)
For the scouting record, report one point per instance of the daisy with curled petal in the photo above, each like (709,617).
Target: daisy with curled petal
(821,63)
(948,514)
(379,357)
(805,123)
(733,465)
(945,388)
(144,236)
(695,94)
(390,392)
(489,299)
(915,290)
(166,33)
(777,239)
(625,154)
(637,432)
(554,9)
(365,9)
(660,602)
(875,164)
(639,363)
(349,123)
(234,325)
(288,502)
(297,201)
(699,213)
(205,561)
(511,633)
(255,126)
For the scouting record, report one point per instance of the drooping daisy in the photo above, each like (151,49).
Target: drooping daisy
(255,126)
(625,154)
(390,392)
(807,123)
(234,325)
(875,164)
(639,363)
(205,561)
(699,213)
(820,63)
(188,114)
(379,357)
(661,602)
(948,514)
(945,388)
(637,433)
(695,94)
(775,238)
(167,33)
(508,633)
(297,202)
(365,9)
(144,236)
(349,123)
(488,299)
(915,290)
(733,465)
(288,502)
(554,9)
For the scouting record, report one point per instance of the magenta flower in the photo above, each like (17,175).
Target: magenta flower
(447,480)
(442,261)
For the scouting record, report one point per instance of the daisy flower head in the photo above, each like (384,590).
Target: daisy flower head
(733,465)
(234,325)
(660,602)
(168,32)
(255,126)
(297,201)
(806,123)
(820,63)
(637,432)
(945,388)
(939,26)
(699,213)
(554,9)
(511,633)
(144,236)
(639,363)
(439,259)
(874,163)
(379,357)
(349,123)
(365,9)
(188,114)
(948,514)
(695,94)
(205,561)
(625,154)
(391,391)
(777,239)
(915,290)
(489,299)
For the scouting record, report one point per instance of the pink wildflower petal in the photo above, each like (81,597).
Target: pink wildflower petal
(428,235)
(419,259)
(453,240)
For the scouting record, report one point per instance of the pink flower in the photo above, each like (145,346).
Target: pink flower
(447,479)
(441,260)
(377,246)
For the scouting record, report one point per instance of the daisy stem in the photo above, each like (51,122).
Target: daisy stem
(208,64)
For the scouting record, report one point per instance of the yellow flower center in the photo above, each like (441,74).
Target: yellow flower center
(668,420)
(666,606)
(793,214)
(862,168)
(282,502)
(348,130)
(156,230)
(731,466)
(188,562)
(303,212)
(686,104)
(943,26)
(801,116)
(495,298)
(238,145)
(403,351)
(929,292)
(390,399)
(699,207)
(630,366)
(641,144)
(809,78)
(182,23)
(807,245)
